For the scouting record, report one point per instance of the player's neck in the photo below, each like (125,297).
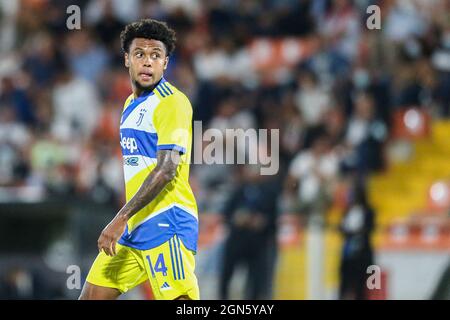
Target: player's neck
(142,92)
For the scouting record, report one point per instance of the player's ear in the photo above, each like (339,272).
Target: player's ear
(166,62)
(127,61)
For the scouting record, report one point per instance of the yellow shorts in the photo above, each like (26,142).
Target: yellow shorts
(169,268)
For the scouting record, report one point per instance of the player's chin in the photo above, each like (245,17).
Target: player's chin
(146,84)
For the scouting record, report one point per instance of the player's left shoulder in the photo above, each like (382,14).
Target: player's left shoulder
(172,97)
(164,89)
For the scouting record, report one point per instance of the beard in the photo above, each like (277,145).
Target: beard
(142,87)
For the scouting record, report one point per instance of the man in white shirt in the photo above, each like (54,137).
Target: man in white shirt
(311,176)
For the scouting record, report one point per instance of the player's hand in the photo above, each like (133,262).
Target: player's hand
(111,234)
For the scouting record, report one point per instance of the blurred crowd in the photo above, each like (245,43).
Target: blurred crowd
(62,92)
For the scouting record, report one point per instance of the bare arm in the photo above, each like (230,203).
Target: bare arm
(157,180)
(163,173)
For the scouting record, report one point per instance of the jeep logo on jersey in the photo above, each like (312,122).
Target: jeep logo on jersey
(128,143)
(131,161)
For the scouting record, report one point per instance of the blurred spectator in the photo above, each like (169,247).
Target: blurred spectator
(311,99)
(18,284)
(215,186)
(311,178)
(14,93)
(223,61)
(42,59)
(14,139)
(186,80)
(292,127)
(76,107)
(250,215)
(328,64)
(365,137)
(404,20)
(107,178)
(26,283)
(86,56)
(51,161)
(108,27)
(341,28)
(125,12)
(357,255)
(8,30)
(335,125)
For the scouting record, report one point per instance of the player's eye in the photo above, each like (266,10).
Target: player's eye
(139,54)
(155,55)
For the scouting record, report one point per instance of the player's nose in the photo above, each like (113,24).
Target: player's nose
(147,61)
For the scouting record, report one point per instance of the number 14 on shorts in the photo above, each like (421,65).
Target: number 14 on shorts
(159,266)
(168,259)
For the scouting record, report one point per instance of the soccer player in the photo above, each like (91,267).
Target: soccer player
(154,236)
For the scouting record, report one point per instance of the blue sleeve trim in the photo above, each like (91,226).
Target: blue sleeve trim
(171,147)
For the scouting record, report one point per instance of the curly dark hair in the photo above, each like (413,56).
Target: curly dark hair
(148,29)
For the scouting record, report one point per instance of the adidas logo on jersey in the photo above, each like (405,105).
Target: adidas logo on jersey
(128,143)
(165,286)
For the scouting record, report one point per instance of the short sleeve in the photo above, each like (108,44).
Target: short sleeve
(172,120)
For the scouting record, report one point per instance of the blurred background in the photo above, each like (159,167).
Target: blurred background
(364,120)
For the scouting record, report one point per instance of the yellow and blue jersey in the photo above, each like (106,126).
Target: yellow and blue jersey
(158,120)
